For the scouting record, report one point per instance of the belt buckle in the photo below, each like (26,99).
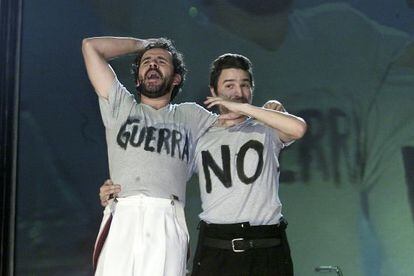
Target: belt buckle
(233,246)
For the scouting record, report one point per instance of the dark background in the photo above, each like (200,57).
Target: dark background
(346,67)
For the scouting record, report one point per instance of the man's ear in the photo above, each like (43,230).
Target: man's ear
(138,86)
(213,93)
(177,79)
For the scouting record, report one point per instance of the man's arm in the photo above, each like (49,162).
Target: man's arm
(97,51)
(289,127)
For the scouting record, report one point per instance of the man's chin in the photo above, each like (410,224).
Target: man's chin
(153,91)
(153,94)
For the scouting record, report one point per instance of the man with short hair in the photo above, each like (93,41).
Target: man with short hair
(150,151)
(242,231)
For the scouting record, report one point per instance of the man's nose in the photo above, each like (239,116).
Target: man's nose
(153,64)
(238,91)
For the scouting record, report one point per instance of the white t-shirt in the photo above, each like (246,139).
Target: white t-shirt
(151,151)
(238,171)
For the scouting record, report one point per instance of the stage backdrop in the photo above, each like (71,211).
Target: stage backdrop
(347,187)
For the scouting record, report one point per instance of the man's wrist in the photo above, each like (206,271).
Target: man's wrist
(247,109)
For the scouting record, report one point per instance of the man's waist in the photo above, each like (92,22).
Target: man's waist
(127,191)
(240,237)
(243,229)
(223,210)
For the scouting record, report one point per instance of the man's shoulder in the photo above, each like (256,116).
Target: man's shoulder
(192,108)
(187,106)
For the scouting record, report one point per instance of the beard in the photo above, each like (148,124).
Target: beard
(154,90)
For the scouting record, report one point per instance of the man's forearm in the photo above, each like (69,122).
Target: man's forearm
(291,126)
(96,53)
(112,47)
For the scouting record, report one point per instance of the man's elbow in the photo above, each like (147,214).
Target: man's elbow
(86,44)
(299,130)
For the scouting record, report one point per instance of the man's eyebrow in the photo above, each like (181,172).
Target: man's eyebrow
(232,80)
(163,58)
(158,57)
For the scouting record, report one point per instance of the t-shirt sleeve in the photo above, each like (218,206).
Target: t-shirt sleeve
(117,106)
(277,143)
(198,118)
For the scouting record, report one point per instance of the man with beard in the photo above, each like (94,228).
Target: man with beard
(150,152)
(242,230)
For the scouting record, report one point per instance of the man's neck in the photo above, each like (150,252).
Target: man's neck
(156,103)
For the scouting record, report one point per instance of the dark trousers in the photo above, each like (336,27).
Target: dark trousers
(274,260)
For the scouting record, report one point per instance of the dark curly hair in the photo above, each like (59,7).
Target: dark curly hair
(177,57)
(229,61)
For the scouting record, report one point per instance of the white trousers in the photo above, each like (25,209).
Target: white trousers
(148,236)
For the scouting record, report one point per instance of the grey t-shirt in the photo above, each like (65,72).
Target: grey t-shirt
(238,172)
(151,151)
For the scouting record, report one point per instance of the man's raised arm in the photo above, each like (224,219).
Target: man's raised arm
(97,51)
(289,127)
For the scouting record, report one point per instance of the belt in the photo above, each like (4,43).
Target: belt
(245,226)
(241,244)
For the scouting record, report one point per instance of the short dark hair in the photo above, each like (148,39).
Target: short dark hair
(177,58)
(229,61)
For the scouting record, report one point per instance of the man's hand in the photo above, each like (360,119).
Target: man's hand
(274,105)
(108,191)
(234,108)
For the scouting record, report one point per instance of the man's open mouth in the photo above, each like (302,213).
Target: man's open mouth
(152,75)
